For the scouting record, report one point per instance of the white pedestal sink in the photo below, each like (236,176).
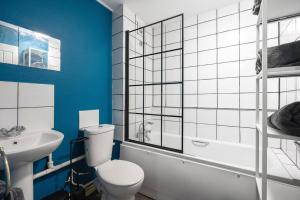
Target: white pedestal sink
(23,150)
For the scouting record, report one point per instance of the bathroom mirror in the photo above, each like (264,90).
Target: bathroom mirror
(20,46)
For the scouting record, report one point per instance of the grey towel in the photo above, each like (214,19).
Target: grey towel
(15,194)
(256,7)
(287,119)
(281,56)
(2,189)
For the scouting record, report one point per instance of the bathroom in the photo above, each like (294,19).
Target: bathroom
(149,99)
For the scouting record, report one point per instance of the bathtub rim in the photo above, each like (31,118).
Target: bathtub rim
(245,171)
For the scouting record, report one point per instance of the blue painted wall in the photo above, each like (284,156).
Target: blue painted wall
(84,82)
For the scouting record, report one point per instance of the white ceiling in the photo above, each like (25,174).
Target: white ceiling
(155,10)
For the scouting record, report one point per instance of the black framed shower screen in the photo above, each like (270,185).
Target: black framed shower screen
(154,87)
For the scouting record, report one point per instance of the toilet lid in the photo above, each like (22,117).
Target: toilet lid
(120,172)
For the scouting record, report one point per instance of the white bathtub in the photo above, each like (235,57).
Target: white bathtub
(208,170)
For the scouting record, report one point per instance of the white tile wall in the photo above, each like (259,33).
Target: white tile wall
(27,104)
(9,93)
(219,71)
(36,95)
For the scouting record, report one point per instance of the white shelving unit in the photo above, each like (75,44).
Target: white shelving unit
(271,11)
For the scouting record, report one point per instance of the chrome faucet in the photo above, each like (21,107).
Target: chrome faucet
(143,129)
(14,131)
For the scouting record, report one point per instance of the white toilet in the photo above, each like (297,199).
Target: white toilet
(118,179)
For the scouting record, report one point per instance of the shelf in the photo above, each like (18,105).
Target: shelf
(281,9)
(274,133)
(282,72)
(278,191)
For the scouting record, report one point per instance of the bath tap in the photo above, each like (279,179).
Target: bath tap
(14,131)
(143,128)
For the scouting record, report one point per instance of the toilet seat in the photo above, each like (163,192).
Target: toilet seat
(120,173)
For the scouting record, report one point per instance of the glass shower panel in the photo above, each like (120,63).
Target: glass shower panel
(172,134)
(154,84)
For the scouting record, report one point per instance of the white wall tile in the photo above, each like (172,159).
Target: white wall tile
(190,21)
(207,28)
(190,73)
(8,118)
(230,69)
(36,95)
(117,102)
(117,56)
(247,101)
(228,101)
(228,38)
(228,54)
(228,117)
(190,46)
(118,41)
(248,136)
(117,86)
(190,129)
(117,117)
(190,32)
(88,118)
(8,92)
(247,67)
(206,131)
(247,84)
(207,71)
(228,10)
(207,86)
(190,60)
(207,57)
(228,23)
(190,115)
(248,118)
(248,34)
(190,87)
(117,71)
(246,5)
(207,42)
(248,51)
(228,85)
(210,15)
(206,116)
(36,119)
(247,18)
(190,100)
(117,26)
(228,134)
(207,101)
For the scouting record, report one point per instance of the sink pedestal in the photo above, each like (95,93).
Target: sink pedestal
(22,177)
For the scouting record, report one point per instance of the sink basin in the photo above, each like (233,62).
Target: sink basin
(30,147)
(23,150)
